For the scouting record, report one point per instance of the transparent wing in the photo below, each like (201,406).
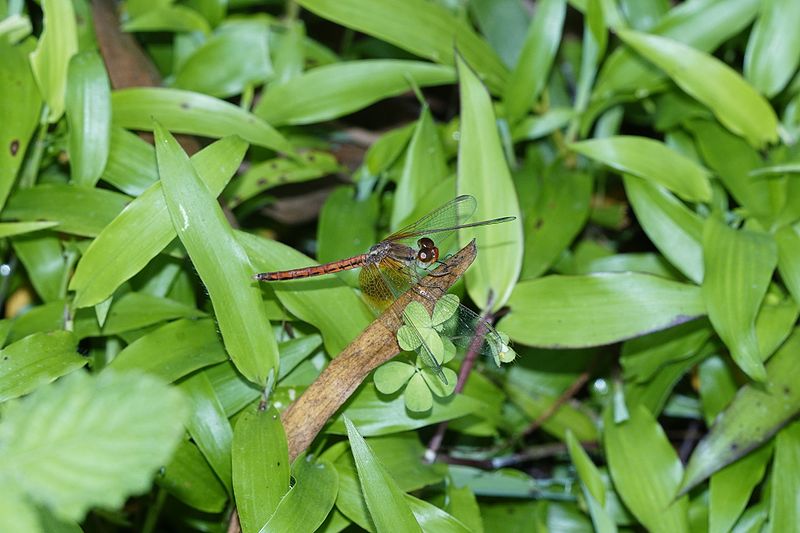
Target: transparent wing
(442,221)
(463,327)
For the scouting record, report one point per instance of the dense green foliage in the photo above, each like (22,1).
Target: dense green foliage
(649,282)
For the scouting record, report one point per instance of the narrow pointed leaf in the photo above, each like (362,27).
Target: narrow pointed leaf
(37,360)
(740,263)
(784,511)
(773,50)
(483,172)
(220,261)
(732,100)
(653,161)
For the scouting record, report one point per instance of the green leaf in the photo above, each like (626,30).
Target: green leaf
(236,57)
(131,165)
(144,228)
(673,228)
(377,415)
(78,210)
(731,488)
(308,502)
(391,376)
(424,29)
(788,241)
(20,105)
(646,471)
(322,307)
(260,466)
(136,310)
(88,110)
(37,360)
(783,511)
(193,113)
(483,173)
(425,164)
(710,81)
(387,506)
(208,425)
(42,255)
(417,396)
(173,350)
(741,263)
(331,91)
(189,477)
(592,485)
(50,61)
(650,160)
(175,18)
(755,414)
(773,49)
(581,311)
(565,418)
(220,261)
(69,459)
(535,59)
(9,229)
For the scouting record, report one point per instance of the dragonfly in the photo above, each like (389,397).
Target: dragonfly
(400,261)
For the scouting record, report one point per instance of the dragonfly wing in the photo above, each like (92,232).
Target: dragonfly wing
(441,221)
(426,337)
(462,327)
(375,287)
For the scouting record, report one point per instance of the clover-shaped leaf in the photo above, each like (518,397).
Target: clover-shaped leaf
(390,377)
(418,397)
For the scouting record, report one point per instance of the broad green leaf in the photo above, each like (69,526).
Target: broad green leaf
(208,425)
(554,218)
(717,386)
(673,228)
(233,391)
(731,488)
(131,165)
(42,254)
(391,376)
(189,477)
(331,91)
(174,18)
(582,311)
(88,110)
(20,105)
(461,504)
(650,160)
(304,508)
(70,460)
(387,506)
(50,61)
(741,263)
(773,49)
(321,307)
(144,228)
(756,413)
(235,57)
(425,164)
(220,261)
(36,360)
(9,229)
(536,57)
(646,471)
(710,81)
(260,466)
(193,113)
(173,350)
(784,512)
(378,415)
(788,241)
(420,27)
(483,173)
(17,514)
(78,210)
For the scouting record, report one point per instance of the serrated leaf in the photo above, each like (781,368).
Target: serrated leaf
(386,503)
(96,440)
(483,172)
(220,261)
(38,359)
(260,466)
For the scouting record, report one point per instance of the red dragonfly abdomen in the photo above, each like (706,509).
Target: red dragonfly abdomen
(319,270)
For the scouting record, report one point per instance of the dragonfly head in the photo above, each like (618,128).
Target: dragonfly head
(428,252)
